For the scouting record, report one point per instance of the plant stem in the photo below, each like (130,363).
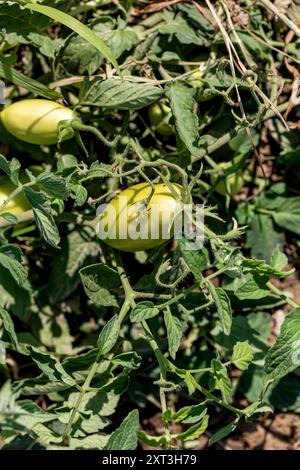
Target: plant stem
(163,372)
(84,389)
(128,303)
(232,133)
(282,295)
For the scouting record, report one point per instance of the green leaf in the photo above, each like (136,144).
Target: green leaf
(174,332)
(263,237)
(50,366)
(120,94)
(78,28)
(13,297)
(194,432)
(254,329)
(258,266)
(182,101)
(190,383)
(77,250)
(43,217)
(220,380)
(79,57)
(279,260)
(175,24)
(189,414)
(223,306)
(242,355)
(197,261)
(21,80)
(224,432)
(284,356)
(98,280)
(54,186)
(287,215)
(252,286)
(46,45)
(125,437)
(128,360)
(153,441)
(119,39)
(109,335)
(91,442)
(10,329)
(143,311)
(17,271)
(256,408)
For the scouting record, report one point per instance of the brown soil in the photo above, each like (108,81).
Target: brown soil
(280,431)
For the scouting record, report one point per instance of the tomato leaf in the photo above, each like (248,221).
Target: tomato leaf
(223,306)
(109,335)
(143,311)
(182,101)
(98,280)
(125,437)
(174,332)
(43,217)
(120,94)
(284,356)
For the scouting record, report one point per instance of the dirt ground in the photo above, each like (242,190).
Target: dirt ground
(280,431)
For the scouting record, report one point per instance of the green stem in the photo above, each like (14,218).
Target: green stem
(127,305)
(282,295)
(163,374)
(232,133)
(84,389)
(219,401)
(79,126)
(215,274)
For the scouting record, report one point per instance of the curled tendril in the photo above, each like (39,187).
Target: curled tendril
(164,267)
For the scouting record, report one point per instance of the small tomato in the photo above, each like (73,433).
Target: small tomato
(159,117)
(18,205)
(195,79)
(128,223)
(35,120)
(231,184)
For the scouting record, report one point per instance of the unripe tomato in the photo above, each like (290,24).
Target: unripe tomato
(128,224)
(231,184)
(159,116)
(18,205)
(35,121)
(195,79)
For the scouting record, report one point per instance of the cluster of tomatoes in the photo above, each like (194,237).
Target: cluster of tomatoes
(36,121)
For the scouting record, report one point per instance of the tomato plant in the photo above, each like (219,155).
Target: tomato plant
(138,308)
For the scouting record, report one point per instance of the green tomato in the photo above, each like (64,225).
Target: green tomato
(159,117)
(18,205)
(35,121)
(195,79)
(128,224)
(231,184)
